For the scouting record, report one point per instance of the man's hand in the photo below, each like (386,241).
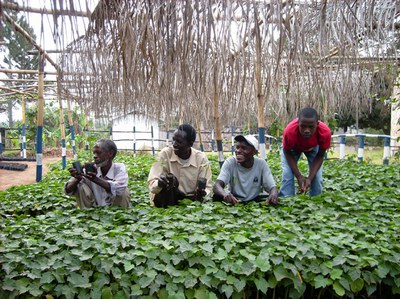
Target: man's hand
(200,193)
(273,197)
(306,185)
(164,182)
(302,183)
(229,198)
(74,173)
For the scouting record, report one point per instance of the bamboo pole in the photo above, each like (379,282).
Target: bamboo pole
(217,120)
(58,12)
(39,133)
(34,72)
(15,91)
(259,92)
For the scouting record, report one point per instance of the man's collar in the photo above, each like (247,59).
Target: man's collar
(110,174)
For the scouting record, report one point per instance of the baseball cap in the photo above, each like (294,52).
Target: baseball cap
(250,139)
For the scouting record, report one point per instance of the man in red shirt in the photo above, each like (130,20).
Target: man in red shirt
(305,134)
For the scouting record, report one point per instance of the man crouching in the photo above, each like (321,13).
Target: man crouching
(104,185)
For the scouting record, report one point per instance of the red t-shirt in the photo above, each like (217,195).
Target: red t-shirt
(293,140)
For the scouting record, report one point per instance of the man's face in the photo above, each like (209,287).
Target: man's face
(101,156)
(244,152)
(180,144)
(307,127)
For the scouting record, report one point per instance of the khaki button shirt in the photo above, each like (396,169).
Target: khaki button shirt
(187,174)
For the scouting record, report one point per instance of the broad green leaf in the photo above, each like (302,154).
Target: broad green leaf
(79,281)
(128,266)
(22,285)
(47,277)
(261,284)
(136,290)
(321,282)
(241,239)
(201,293)
(339,290)
(221,254)
(227,290)
(336,273)
(106,293)
(262,264)
(163,294)
(280,273)
(357,285)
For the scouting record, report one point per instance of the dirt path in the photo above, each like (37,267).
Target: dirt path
(9,178)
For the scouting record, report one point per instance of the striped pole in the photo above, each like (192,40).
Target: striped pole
(23,128)
(386,150)
(134,141)
(152,141)
(20,141)
(361,139)
(261,147)
(72,131)
(232,140)
(40,114)
(342,147)
(62,125)
(220,152)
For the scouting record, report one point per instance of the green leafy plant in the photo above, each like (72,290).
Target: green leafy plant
(343,243)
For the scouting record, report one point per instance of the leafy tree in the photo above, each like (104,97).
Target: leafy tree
(16,56)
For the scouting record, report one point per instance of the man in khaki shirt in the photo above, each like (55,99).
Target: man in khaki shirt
(179,170)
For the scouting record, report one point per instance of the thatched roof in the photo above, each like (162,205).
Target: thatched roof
(174,59)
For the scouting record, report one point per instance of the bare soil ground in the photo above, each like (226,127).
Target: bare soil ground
(9,178)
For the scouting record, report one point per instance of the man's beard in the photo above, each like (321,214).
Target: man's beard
(102,163)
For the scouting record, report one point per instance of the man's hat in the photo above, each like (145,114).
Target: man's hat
(249,139)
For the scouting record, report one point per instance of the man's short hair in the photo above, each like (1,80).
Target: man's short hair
(190,132)
(309,113)
(108,145)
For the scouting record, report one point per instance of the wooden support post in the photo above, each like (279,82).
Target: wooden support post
(62,126)
(23,127)
(71,129)
(218,131)
(40,116)
(259,92)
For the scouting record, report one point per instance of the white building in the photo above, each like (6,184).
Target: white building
(124,137)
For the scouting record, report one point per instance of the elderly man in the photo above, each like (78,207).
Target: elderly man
(105,184)
(180,172)
(245,174)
